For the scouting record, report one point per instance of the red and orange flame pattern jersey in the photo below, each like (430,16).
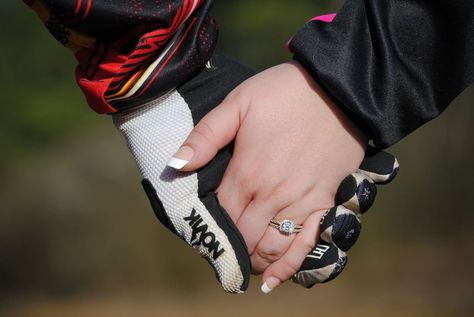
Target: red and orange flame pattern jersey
(130,51)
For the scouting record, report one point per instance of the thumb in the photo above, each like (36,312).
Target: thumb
(212,133)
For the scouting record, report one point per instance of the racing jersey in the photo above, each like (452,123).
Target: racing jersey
(391,65)
(130,51)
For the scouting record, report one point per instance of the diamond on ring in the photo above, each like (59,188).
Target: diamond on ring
(286,226)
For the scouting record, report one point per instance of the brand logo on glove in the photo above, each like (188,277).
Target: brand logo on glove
(318,252)
(200,235)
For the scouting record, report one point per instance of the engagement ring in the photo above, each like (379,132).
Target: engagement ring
(286,226)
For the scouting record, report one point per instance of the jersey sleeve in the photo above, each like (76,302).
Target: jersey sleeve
(131,51)
(391,65)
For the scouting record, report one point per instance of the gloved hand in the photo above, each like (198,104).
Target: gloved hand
(341,226)
(186,203)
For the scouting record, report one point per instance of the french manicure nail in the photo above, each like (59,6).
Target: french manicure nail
(270,284)
(177,163)
(181,158)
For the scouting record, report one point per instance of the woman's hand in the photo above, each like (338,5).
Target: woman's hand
(293,147)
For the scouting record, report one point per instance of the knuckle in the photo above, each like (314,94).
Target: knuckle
(247,178)
(346,189)
(259,265)
(235,96)
(204,131)
(279,195)
(346,230)
(366,193)
(283,193)
(239,98)
(268,254)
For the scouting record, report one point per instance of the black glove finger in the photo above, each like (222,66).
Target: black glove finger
(323,264)
(380,166)
(357,192)
(339,230)
(341,227)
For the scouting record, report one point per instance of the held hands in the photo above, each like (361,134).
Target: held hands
(292,149)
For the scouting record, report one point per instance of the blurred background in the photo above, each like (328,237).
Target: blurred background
(78,238)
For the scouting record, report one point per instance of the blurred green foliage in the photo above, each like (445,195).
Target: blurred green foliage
(40,102)
(74,220)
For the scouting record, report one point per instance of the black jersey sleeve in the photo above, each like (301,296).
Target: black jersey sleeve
(391,65)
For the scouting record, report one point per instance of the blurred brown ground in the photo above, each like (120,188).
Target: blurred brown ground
(78,238)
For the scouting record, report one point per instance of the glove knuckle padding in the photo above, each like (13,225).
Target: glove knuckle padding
(154,133)
(324,263)
(340,226)
(357,192)
(380,166)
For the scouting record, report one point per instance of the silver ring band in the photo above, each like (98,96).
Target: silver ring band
(285,226)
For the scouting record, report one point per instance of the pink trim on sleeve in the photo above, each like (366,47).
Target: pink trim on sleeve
(328,18)
(325,18)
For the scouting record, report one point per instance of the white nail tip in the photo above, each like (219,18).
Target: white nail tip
(265,289)
(177,163)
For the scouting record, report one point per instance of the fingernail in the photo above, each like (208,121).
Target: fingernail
(270,284)
(181,158)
